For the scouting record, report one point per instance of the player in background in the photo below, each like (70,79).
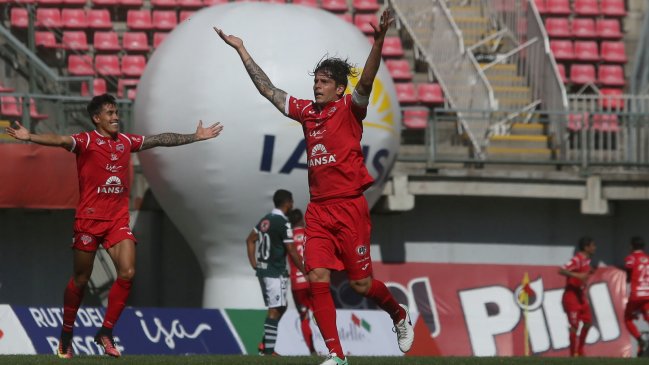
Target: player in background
(338,223)
(102,217)
(637,268)
(575,300)
(299,281)
(267,245)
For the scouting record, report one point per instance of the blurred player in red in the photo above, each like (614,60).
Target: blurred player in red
(338,223)
(575,300)
(102,216)
(637,267)
(299,282)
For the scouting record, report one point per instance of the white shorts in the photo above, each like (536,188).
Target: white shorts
(274,291)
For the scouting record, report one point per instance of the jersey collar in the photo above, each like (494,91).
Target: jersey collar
(276,211)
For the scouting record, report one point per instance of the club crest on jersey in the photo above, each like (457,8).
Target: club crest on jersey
(320,156)
(114,157)
(264,225)
(119,148)
(361,250)
(112,186)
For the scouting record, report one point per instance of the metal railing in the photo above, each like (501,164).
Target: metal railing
(599,138)
(640,74)
(439,42)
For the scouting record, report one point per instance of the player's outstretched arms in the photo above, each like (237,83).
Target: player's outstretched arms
(364,86)
(22,134)
(175,139)
(266,88)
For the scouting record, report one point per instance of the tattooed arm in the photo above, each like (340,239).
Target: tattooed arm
(175,139)
(266,88)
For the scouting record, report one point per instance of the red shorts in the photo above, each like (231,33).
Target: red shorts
(302,299)
(576,307)
(338,236)
(89,233)
(635,306)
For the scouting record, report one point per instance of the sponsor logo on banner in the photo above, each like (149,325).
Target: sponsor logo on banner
(139,330)
(13,338)
(471,309)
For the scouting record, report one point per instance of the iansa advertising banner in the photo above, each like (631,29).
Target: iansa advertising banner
(470,309)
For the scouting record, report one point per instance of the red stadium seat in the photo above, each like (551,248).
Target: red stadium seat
(611,75)
(131,3)
(45,40)
(583,28)
(125,84)
(586,7)
(612,99)
(135,42)
(74,41)
(365,6)
(406,93)
(558,7)
(609,29)
(48,18)
(163,3)
(108,65)
(49,2)
(106,42)
(558,27)
(184,14)
(133,66)
(190,4)
(362,22)
(613,8)
(586,51)
(10,106)
(98,85)
(430,94)
(606,123)
(139,20)
(336,6)
(80,65)
(562,72)
(74,19)
(19,18)
(214,2)
(415,118)
(577,121)
(164,19)
(541,7)
(78,3)
(399,70)
(99,19)
(562,50)
(158,37)
(33,112)
(5,89)
(582,74)
(311,3)
(614,52)
(100,3)
(392,47)
(346,17)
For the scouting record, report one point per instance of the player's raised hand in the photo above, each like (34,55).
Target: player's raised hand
(234,41)
(203,133)
(20,133)
(385,22)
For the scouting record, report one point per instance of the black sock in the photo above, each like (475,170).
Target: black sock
(66,338)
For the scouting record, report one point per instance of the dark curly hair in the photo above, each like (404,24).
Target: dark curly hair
(97,103)
(336,68)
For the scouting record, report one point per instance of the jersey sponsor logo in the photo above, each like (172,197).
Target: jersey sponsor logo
(112,186)
(320,156)
(114,157)
(100,142)
(113,168)
(264,225)
(317,133)
(361,250)
(136,139)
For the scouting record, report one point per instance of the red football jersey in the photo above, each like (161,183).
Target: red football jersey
(103,170)
(579,263)
(334,154)
(638,265)
(298,281)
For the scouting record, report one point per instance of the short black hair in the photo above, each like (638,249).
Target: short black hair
(295,216)
(282,196)
(336,68)
(585,242)
(637,243)
(98,102)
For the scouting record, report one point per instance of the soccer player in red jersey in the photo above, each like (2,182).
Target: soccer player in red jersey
(637,267)
(299,282)
(337,218)
(575,301)
(102,217)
